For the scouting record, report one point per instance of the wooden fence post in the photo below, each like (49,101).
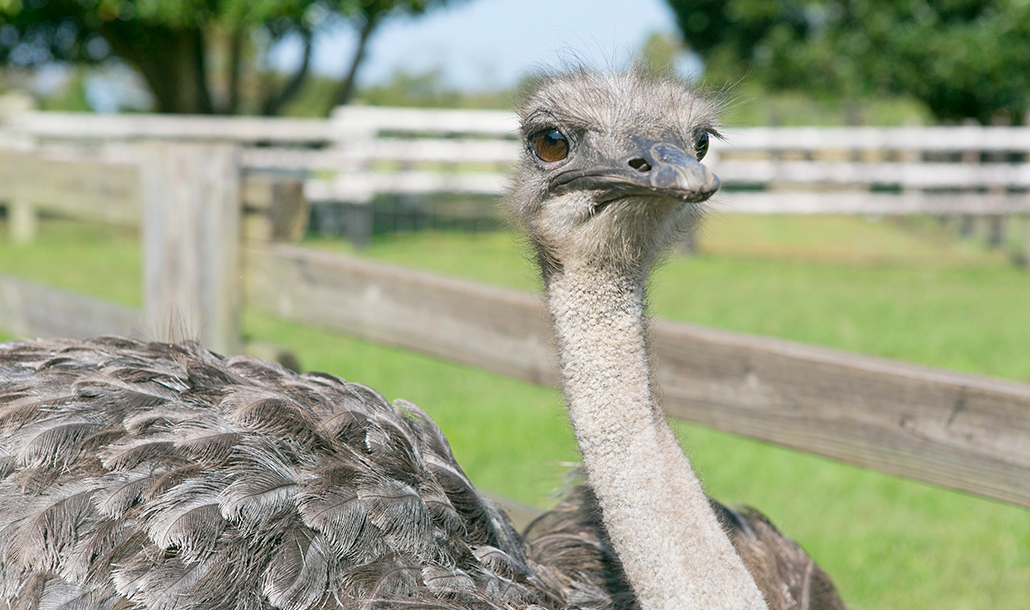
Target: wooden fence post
(23,221)
(191,244)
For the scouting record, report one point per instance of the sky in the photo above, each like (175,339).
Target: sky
(488,44)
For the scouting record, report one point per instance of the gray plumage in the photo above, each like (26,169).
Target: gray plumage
(160,476)
(167,477)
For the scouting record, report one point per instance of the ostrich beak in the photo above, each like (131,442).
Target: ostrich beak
(652,169)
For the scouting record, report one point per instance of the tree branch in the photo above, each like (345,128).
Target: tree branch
(235,69)
(274,103)
(346,88)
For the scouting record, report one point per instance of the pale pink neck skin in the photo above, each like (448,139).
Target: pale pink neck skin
(674,551)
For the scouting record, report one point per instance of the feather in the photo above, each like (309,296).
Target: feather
(59,594)
(186,517)
(161,584)
(16,411)
(498,562)
(265,485)
(468,504)
(330,505)
(394,450)
(398,512)
(12,579)
(33,481)
(91,556)
(130,453)
(441,511)
(120,492)
(161,417)
(206,439)
(51,525)
(11,375)
(296,576)
(273,415)
(21,590)
(381,580)
(7,462)
(141,376)
(267,374)
(428,432)
(446,580)
(347,426)
(54,441)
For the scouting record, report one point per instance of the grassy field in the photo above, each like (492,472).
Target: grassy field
(879,288)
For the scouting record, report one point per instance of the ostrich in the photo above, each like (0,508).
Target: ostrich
(161,476)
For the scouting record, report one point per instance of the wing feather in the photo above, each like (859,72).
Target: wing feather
(266,485)
(296,576)
(51,525)
(186,517)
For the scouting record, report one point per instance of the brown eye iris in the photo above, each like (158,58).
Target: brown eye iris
(550,145)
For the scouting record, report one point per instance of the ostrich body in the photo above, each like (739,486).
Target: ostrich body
(149,475)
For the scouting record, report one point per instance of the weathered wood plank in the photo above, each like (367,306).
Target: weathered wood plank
(500,330)
(191,239)
(83,189)
(129,127)
(358,152)
(362,186)
(274,208)
(29,309)
(915,175)
(937,139)
(424,120)
(24,223)
(862,202)
(961,431)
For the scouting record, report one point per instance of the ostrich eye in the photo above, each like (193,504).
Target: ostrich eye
(550,146)
(701,145)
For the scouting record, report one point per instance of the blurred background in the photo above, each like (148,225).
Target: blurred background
(877,171)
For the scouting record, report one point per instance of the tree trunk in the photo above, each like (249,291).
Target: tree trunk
(171,60)
(274,102)
(235,69)
(346,88)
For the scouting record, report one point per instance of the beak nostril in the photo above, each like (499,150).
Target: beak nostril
(640,165)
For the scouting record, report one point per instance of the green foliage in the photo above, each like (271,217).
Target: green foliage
(69,98)
(753,105)
(962,58)
(427,90)
(172,43)
(660,52)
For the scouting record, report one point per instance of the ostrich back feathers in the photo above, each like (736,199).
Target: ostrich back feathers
(162,476)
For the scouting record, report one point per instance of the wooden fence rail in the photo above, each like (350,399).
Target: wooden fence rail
(962,431)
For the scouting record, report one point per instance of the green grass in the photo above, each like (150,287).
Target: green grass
(91,259)
(880,288)
(875,288)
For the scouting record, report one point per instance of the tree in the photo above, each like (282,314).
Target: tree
(962,58)
(367,15)
(171,42)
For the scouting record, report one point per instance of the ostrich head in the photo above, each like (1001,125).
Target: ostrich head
(610,171)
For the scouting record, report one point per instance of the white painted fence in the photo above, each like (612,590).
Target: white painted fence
(363,151)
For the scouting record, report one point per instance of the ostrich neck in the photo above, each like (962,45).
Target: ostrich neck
(672,548)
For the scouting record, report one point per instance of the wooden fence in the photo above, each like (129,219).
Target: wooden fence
(361,151)
(961,431)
